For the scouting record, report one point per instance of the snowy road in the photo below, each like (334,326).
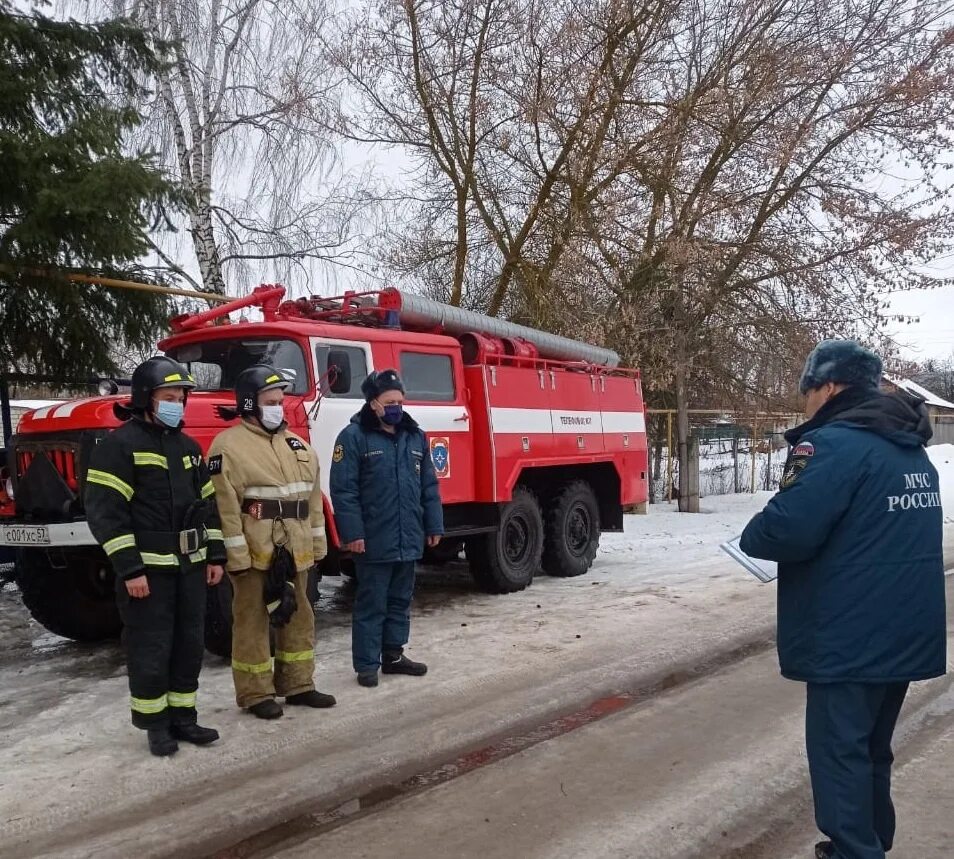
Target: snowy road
(661,603)
(712,769)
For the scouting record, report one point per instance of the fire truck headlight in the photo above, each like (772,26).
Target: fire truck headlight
(8,487)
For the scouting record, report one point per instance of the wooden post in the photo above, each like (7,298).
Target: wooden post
(755,434)
(768,472)
(692,483)
(669,456)
(735,462)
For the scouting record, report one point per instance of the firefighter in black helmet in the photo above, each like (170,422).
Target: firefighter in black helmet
(269,500)
(149,501)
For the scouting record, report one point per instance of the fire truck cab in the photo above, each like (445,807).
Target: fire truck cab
(538,441)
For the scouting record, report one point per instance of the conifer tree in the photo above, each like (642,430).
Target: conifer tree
(71,197)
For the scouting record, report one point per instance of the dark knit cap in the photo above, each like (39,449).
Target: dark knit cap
(380,383)
(843,362)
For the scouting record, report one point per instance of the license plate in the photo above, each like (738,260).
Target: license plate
(25,535)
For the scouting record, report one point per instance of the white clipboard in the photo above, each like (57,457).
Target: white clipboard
(764,571)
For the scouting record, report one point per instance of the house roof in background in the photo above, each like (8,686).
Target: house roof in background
(924,393)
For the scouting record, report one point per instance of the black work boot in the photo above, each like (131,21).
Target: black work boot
(824,850)
(267,709)
(311,698)
(368,678)
(161,742)
(398,663)
(195,734)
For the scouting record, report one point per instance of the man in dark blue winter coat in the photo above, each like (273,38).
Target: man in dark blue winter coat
(387,505)
(856,529)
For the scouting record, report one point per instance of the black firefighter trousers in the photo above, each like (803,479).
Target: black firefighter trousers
(165,641)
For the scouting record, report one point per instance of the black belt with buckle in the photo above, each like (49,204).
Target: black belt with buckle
(184,542)
(275,509)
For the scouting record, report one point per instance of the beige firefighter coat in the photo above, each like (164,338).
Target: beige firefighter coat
(246,463)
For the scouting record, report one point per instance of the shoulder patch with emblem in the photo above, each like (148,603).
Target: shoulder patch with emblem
(799,458)
(338,455)
(295,444)
(215,464)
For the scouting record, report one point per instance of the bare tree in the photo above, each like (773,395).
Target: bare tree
(759,198)
(937,375)
(239,116)
(503,107)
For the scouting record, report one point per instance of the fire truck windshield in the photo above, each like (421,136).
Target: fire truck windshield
(215,364)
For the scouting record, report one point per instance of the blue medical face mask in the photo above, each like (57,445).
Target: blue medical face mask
(393,414)
(169,414)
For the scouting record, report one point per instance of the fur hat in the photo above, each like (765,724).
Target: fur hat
(380,383)
(843,362)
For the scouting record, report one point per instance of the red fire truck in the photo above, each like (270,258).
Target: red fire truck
(539,441)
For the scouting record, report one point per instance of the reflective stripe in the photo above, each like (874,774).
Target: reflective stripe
(213,533)
(149,706)
(257,668)
(208,489)
(270,607)
(294,656)
(317,532)
(235,542)
(126,541)
(187,462)
(144,457)
(201,555)
(182,699)
(104,478)
(252,492)
(153,560)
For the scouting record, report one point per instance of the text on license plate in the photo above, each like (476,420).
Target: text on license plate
(25,535)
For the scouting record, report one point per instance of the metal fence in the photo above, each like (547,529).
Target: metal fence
(736,453)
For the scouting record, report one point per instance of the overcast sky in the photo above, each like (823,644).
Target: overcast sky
(933,335)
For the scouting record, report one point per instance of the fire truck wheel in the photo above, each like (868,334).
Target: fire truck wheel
(508,559)
(572,531)
(74,597)
(218,619)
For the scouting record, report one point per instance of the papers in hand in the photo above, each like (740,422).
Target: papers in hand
(764,571)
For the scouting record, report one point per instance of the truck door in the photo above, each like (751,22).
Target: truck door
(437,399)
(336,409)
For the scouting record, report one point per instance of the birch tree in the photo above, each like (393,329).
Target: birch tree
(239,116)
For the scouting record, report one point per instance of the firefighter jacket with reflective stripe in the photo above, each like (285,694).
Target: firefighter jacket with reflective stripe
(249,464)
(141,489)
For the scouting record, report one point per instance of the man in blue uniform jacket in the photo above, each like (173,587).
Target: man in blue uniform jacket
(387,505)
(856,529)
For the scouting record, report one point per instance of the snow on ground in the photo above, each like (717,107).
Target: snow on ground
(72,768)
(76,780)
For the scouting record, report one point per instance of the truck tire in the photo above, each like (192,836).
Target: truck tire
(506,560)
(77,600)
(218,618)
(572,531)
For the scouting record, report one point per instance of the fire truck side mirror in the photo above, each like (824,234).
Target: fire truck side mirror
(339,372)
